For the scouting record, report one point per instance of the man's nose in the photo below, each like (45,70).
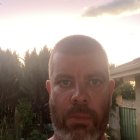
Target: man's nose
(79,96)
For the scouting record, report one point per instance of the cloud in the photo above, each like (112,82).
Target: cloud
(115,7)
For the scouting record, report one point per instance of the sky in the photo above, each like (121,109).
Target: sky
(29,24)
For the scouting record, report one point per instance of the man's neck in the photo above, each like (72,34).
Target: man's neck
(54,138)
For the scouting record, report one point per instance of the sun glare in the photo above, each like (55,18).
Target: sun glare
(35,31)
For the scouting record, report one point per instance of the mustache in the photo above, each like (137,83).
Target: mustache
(81,109)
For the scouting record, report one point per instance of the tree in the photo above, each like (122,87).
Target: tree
(126,90)
(35,75)
(112,66)
(10,71)
(26,81)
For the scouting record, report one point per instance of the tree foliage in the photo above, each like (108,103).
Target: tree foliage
(10,71)
(35,75)
(18,81)
(125,89)
(112,66)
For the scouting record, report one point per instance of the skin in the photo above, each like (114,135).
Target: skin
(79,81)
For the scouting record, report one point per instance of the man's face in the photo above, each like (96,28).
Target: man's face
(80,96)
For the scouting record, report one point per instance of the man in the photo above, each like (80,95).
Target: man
(79,88)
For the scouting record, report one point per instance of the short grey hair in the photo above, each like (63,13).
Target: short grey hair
(78,44)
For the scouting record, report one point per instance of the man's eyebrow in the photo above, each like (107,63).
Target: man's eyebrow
(97,74)
(58,76)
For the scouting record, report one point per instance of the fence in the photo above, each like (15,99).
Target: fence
(128,123)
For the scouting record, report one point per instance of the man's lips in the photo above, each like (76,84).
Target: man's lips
(79,120)
(80,116)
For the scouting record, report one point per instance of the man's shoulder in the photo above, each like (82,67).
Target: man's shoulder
(52,138)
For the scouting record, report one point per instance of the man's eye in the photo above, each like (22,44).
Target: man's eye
(65,83)
(95,82)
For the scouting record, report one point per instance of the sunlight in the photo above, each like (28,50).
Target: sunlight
(29,32)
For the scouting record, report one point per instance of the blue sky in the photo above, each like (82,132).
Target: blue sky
(28,24)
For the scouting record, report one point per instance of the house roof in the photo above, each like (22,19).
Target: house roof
(127,69)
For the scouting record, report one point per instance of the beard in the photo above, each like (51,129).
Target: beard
(77,131)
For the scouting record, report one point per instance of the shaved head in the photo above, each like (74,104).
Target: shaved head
(79,88)
(76,45)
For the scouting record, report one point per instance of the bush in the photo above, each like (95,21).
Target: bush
(36,135)
(126,90)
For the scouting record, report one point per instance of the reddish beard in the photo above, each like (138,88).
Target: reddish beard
(98,126)
(80,109)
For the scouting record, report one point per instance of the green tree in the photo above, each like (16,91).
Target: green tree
(18,81)
(126,90)
(35,75)
(10,71)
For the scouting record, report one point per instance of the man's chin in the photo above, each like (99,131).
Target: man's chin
(77,134)
(78,131)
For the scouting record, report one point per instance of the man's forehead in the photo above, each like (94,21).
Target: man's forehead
(64,64)
(62,54)
(92,57)
(77,50)
(95,74)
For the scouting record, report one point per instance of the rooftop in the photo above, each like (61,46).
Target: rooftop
(127,69)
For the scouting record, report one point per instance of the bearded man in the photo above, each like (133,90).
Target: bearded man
(80,89)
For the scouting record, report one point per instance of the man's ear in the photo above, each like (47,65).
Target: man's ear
(48,86)
(111,86)
(111,89)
